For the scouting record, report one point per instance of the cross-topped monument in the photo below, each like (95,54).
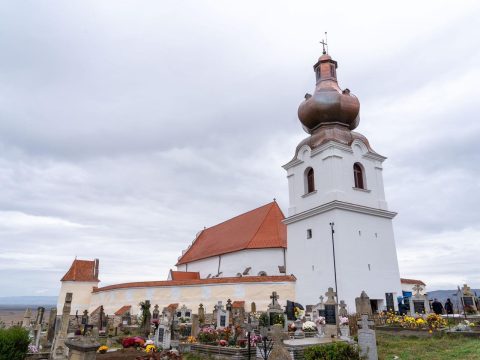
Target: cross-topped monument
(274,297)
(331,296)
(417,288)
(466,290)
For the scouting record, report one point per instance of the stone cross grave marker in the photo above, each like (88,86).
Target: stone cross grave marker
(279,351)
(331,313)
(51,325)
(38,326)
(60,351)
(367,339)
(201,314)
(343,309)
(253,307)
(468,298)
(156,312)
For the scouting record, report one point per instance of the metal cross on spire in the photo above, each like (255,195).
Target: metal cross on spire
(325,44)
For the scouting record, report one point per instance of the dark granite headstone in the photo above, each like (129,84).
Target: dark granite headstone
(330,315)
(419,307)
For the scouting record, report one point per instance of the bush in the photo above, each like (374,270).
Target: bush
(13,343)
(332,351)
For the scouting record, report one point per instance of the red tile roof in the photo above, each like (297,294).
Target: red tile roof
(184,275)
(225,280)
(172,307)
(412,281)
(238,304)
(123,310)
(257,229)
(82,270)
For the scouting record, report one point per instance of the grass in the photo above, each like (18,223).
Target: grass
(428,348)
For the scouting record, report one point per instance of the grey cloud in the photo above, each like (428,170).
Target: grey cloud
(142,123)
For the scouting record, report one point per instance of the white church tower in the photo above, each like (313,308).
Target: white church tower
(339,228)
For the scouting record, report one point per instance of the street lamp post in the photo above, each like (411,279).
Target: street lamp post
(332,224)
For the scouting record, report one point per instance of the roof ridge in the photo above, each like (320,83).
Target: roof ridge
(237,216)
(216,225)
(260,225)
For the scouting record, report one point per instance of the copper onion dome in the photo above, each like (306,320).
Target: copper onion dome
(328,105)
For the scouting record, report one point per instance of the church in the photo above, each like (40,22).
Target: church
(336,233)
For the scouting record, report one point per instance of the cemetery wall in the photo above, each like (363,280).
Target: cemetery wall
(231,264)
(192,295)
(83,295)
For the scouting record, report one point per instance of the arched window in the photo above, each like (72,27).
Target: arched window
(262,273)
(309,181)
(358,176)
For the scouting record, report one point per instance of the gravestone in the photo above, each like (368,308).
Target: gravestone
(238,313)
(156,312)
(127,318)
(389,301)
(363,305)
(165,333)
(279,351)
(37,331)
(468,299)
(146,321)
(331,313)
(343,309)
(184,313)
(51,325)
(85,318)
(101,318)
(195,325)
(274,309)
(222,316)
(319,309)
(253,307)
(418,302)
(367,341)
(201,315)
(82,348)
(27,316)
(59,350)
(228,307)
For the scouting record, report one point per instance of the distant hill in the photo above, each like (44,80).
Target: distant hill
(443,295)
(27,301)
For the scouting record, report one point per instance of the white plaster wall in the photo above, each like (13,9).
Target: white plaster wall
(360,239)
(333,168)
(311,260)
(82,294)
(193,295)
(230,264)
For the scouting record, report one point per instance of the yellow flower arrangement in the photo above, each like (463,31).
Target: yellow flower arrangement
(150,348)
(191,340)
(102,349)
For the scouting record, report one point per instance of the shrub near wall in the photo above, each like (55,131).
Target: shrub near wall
(332,351)
(13,343)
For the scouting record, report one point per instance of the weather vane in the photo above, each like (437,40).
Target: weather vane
(325,44)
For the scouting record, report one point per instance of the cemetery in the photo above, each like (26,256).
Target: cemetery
(233,330)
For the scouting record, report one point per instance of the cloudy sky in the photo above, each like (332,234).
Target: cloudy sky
(128,126)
